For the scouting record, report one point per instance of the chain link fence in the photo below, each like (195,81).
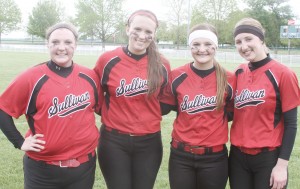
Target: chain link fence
(225,56)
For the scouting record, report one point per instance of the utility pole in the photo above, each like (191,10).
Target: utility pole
(188,22)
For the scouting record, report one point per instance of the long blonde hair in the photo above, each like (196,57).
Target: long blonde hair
(220,71)
(154,69)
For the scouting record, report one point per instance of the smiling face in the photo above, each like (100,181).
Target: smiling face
(61,45)
(250,47)
(141,32)
(203,51)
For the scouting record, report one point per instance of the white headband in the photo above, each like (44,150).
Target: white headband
(205,34)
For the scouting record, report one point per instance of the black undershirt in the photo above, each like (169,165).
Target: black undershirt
(134,56)
(61,71)
(289,135)
(202,73)
(255,65)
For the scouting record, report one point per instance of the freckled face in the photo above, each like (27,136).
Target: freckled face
(61,45)
(141,32)
(250,47)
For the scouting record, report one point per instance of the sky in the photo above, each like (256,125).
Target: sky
(159,7)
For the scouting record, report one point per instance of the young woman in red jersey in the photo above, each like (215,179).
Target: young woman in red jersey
(201,91)
(58,98)
(132,78)
(265,114)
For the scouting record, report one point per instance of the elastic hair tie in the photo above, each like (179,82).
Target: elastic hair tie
(249,29)
(143,13)
(204,34)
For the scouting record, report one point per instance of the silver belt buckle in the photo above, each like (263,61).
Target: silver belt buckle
(60,164)
(69,163)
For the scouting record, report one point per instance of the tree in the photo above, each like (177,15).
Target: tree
(197,17)
(44,14)
(179,33)
(272,14)
(10,16)
(163,33)
(216,12)
(99,18)
(178,14)
(231,21)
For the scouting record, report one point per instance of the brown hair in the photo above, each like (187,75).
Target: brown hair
(154,60)
(60,25)
(220,71)
(250,22)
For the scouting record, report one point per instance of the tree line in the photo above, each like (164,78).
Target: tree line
(103,21)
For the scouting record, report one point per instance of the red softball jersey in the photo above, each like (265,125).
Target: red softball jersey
(198,122)
(127,106)
(260,98)
(62,109)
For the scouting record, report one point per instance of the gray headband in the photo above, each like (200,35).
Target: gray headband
(249,29)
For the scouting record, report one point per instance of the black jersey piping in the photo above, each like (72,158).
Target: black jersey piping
(177,81)
(278,110)
(165,76)
(107,69)
(31,110)
(239,71)
(229,91)
(93,84)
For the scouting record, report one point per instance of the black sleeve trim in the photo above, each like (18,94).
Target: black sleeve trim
(93,84)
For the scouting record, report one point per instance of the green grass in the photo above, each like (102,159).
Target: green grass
(11,167)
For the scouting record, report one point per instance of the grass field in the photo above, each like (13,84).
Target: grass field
(11,173)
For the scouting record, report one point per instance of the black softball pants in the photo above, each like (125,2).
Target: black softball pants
(129,162)
(251,171)
(40,175)
(192,171)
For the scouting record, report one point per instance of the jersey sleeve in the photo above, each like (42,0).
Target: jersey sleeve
(14,100)
(231,80)
(99,67)
(289,91)
(99,92)
(166,95)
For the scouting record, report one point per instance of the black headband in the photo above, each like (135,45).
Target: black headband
(249,29)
